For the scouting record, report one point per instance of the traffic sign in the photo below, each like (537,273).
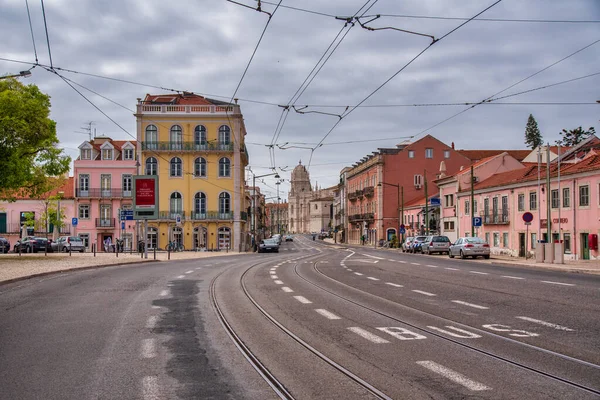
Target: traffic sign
(527,217)
(74,221)
(434,201)
(402,226)
(178,219)
(127,215)
(122,224)
(477,222)
(402,230)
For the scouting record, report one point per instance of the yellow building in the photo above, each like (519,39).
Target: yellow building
(196,147)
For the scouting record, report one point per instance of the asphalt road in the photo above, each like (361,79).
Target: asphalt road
(333,322)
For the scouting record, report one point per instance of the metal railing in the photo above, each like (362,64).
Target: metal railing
(102,193)
(212,216)
(501,218)
(188,109)
(186,146)
(105,222)
(362,217)
(369,191)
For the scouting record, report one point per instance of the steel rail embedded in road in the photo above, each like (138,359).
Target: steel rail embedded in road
(480,351)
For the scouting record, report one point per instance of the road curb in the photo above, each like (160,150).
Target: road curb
(60,271)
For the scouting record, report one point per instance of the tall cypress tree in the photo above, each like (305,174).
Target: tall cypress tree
(533,136)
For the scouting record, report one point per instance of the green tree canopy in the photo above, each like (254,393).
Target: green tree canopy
(533,136)
(29,156)
(575,136)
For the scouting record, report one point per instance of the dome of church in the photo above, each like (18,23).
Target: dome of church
(300,173)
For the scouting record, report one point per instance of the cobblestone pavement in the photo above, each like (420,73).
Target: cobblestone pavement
(13,266)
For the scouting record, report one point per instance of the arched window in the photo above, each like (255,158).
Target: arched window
(200,167)
(224,203)
(200,203)
(176,167)
(224,167)
(199,136)
(151,166)
(151,142)
(176,137)
(224,135)
(175,204)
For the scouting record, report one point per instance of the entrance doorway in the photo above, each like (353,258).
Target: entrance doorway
(522,248)
(224,238)
(107,242)
(389,234)
(200,238)
(585,249)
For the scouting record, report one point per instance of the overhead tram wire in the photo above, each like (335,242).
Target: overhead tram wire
(399,71)
(31,29)
(47,37)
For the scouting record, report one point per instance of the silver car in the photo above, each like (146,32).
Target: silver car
(436,244)
(470,247)
(68,243)
(407,243)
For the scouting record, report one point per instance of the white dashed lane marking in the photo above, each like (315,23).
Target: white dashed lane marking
(272,272)
(393,284)
(164,293)
(453,376)
(287,289)
(367,335)
(181,277)
(189,272)
(274,277)
(302,299)
(425,293)
(544,323)
(558,283)
(151,322)
(327,314)
(464,303)
(150,389)
(149,348)
(415,264)
(357,273)
(479,273)
(403,262)
(452,269)
(512,277)
(373,279)
(431,266)
(278,282)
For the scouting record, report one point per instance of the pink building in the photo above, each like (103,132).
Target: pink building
(104,177)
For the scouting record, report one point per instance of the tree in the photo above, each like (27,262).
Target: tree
(533,137)
(29,156)
(574,136)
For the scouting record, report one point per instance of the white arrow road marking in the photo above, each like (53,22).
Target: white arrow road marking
(464,303)
(550,324)
(393,284)
(327,314)
(453,376)
(302,299)
(287,289)
(425,293)
(150,388)
(367,335)
(558,283)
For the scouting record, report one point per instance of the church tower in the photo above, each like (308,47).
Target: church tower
(298,200)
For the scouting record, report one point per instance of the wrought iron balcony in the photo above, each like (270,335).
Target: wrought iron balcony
(352,196)
(97,193)
(362,217)
(501,218)
(171,215)
(369,191)
(105,222)
(187,146)
(212,216)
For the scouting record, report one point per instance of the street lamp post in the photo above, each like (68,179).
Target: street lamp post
(278,225)
(254,198)
(400,201)
(22,74)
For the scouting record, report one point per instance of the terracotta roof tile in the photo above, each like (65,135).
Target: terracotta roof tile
(478,155)
(181,99)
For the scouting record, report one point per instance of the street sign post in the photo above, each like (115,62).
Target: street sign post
(74,221)
(477,222)
(527,217)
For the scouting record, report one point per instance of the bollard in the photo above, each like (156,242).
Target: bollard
(70,251)
(94,248)
(117,250)
(168,252)
(155,252)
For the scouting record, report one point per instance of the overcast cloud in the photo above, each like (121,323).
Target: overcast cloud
(204,46)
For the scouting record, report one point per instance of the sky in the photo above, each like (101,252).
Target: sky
(307,53)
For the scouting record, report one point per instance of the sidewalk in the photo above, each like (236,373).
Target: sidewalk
(14,267)
(580,266)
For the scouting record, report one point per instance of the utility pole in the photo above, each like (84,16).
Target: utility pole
(549,211)
(472,202)
(426,205)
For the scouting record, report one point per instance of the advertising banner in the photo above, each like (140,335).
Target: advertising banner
(145,197)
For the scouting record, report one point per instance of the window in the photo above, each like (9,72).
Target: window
(86,154)
(84,211)
(175,204)
(584,196)
(496,239)
(487,237)
(224,167)
(505,239)
(200,203)
(533,240)
(486,211)
(85,238)
(566,197)
(84,184)
(449,199)
(428,153)
(200,135)
(200,167)
(105,185)
(127,184)
(467,207)
(107,154)
(151,166)
(224,203)
(521,202)
(448,225)
(533,201)
(128,154)
(504,208)
(411,154)
(224,135)
(554,195)
(567,242)
(446,153)
(176,168)
(176,137)
(151,138)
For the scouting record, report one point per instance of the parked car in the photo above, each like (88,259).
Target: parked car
(66,243)
(4,245)
(415,247)
(469,247)
(268,245)
(33,244)
(436,244)
(289,238)
(407,243)
(277,237)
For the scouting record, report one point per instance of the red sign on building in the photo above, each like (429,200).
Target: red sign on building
(145,195)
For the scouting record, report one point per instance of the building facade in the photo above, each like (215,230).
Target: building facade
(196,147)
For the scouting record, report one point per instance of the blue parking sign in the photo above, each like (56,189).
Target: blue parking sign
(477,222)
(74,221)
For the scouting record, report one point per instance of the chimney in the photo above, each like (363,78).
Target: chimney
(452,145)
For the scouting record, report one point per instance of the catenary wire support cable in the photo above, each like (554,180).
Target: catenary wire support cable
(31,29)
(301,111)
(258,8)
(364,26)
(47,37)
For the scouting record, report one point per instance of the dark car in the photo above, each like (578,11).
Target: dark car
(4,245)
(33,244)
(269,246)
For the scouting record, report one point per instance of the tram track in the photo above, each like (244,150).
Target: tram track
(456,342)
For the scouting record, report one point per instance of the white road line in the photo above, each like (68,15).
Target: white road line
(373,279)
(452,269)
(403,262)
(393,284)
(274,277)
(349,270)
(272,272)
(377,258)
(367,335)
(278,282)
(390,259)
(287,289)
(150,389)
(480,273)
(431,266)
(181,277)
(464,303)
(550,324)
(512,277)
(327,314)
(199,268)
(151,322)
(149,348)
(164,293)
(425,293)
(415,264)
(357,273)
(453,376)
(189,272)
(302,299)
(559,283)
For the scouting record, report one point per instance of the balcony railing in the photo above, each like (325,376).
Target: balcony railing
(212,216)
(496,219)
(172,215)
(352,196)
(362,217)
(369,191)
(186,146)
(102,193)
(105,222)
(187,109)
